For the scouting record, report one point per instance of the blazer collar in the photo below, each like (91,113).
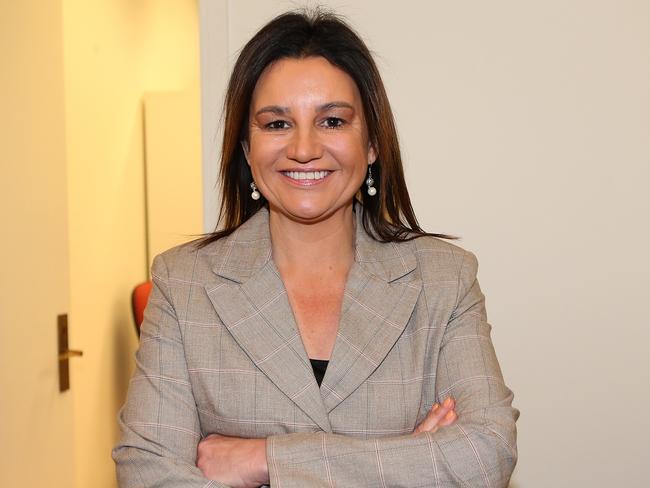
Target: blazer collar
(248,250)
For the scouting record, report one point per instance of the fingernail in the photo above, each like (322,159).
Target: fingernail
(447,402)
(435,407)
(450,415)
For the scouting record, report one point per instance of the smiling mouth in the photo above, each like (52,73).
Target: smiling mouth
(306,175)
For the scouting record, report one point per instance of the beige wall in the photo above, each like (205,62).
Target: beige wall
(525,129)
(72,152)
(115,52)
(36,417)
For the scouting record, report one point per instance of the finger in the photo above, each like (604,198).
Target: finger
(450,416)
(429,423)
(435,415)
(421,426)
(448,419)
(449,403)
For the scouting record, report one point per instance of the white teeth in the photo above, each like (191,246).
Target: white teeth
(306,175)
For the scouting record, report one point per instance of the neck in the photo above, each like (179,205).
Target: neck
(327,245)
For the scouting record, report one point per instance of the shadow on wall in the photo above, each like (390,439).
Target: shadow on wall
(122,329)
(124,344)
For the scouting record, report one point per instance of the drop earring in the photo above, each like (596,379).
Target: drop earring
(372,191)
(255,195)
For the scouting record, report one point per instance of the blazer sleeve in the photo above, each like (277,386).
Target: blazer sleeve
(159,421)
(478,450)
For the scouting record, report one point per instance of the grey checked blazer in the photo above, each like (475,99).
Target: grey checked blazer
(220,353)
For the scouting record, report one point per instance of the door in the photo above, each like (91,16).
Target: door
(36,419)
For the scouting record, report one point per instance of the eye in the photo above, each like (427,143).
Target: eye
(333,122)
(277,125)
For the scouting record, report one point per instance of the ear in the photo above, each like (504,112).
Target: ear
(244,146)
(372,154)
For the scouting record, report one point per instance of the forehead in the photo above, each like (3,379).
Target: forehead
(312,80)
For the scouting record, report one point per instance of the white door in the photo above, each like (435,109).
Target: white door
(36,419)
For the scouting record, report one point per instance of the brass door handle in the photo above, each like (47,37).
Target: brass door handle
(64,354)
(70,353)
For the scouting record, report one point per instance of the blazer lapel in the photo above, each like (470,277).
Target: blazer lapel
(251,300)
(379,299)
(254,307)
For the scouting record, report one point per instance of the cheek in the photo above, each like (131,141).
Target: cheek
(349,151)
(264,150)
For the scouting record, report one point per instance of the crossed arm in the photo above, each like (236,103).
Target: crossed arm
(242,463)
(476,447)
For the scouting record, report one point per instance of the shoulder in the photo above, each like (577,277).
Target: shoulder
(235,256)
(188,262)
(428,248)
(439,259)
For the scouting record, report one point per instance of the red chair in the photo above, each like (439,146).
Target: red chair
(139,299)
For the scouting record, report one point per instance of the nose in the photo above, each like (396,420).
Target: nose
(304,146)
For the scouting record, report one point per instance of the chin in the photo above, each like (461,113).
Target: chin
(309,216)
(307,213)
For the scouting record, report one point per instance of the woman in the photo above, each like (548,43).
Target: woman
(318,339)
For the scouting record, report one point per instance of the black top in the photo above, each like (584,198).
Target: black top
(319,366)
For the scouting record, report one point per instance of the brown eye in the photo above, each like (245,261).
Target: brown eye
(277,125)
(333,122)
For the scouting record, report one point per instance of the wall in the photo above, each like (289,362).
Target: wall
(36,417)
(115,52)
(216,62)
(525,131)
(172,123)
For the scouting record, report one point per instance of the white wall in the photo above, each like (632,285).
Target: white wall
(215,65)
(525,128)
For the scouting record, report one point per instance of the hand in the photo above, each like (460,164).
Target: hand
(438,416)
(234,461)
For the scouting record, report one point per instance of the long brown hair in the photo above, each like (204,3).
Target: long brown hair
(388,216)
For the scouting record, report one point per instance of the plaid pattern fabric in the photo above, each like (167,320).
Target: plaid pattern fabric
(220,353)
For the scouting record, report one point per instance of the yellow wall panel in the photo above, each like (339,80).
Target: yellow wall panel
(37,427)
(173,169)
(114,52)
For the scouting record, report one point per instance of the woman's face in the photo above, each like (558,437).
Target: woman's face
(308,145)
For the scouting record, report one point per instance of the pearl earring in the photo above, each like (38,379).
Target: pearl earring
(255,195)
(372,191)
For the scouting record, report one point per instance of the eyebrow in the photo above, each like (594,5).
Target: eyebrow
(278,110)
(274,109)
(331,105)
